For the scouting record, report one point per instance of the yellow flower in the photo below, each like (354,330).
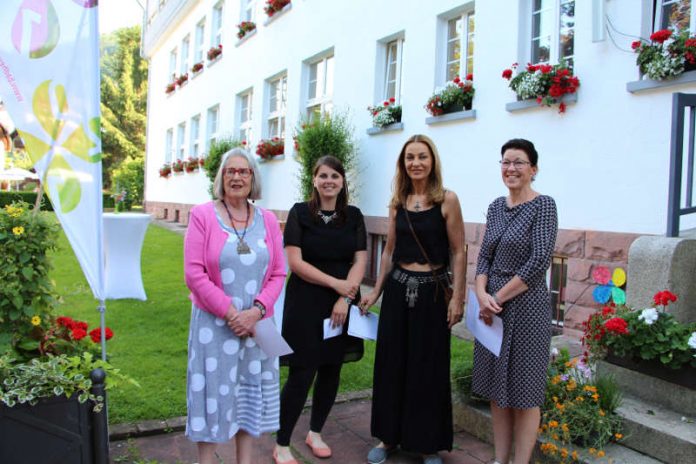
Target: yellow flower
(553,424)
(564,427)
(571,385)
(593,451)
(601,412)
(36,320)
(13,212)
(564,453)
(555,399)
(618,436)
(590,388)
(574,455)
(600,454)
(555,436)
(19,230)
(555,379)
(560,407)
(595,397)
(579,399)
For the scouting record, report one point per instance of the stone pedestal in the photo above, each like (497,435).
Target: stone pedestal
(663,263)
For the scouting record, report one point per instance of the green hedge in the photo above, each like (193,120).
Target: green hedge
(30,197)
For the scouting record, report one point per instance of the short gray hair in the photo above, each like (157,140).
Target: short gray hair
(219,185)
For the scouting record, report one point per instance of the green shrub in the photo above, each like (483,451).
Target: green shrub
(327,135)
(130,177)
(7,198)
(212,161)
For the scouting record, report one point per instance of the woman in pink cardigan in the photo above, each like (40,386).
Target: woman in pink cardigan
(235,268)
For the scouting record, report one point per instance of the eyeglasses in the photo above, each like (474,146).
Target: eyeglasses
(243,172)
(517,164)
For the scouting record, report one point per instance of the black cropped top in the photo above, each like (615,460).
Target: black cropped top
(431,230)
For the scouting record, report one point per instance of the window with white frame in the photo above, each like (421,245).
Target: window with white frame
(553,31)
(194,136)
(199,51)
(244,101)
(320,87)
(673,14)
(216,25)
(181,141)
(248,12)
(169,146)
(172,65)
(277,100)
(392,70)
(213,121)
(184,62)
(460,46)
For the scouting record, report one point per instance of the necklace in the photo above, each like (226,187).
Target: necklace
(417,206)
(242,247)
(326,217)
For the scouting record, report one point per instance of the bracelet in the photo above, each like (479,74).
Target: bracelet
(348,300)
(261,307)
(495,298)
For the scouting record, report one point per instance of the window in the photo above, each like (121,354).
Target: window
(320,87)
(172,65)
(194,135)
(553,31)
(180,140)
(216,26)
(557,277)
(169,146)
(460,46)
(392,70)
(184,64)
(277,100)
(199,52)
(248,10)
(213,124)
(673,14)
(245,115)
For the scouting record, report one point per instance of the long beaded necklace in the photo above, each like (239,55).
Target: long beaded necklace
(242,247)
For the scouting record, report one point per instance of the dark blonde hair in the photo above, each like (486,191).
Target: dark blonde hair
(402,185)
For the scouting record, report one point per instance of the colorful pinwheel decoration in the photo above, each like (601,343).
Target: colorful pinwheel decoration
(609,285)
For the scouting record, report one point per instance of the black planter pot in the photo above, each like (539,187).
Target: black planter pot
(456,108)
(686,376)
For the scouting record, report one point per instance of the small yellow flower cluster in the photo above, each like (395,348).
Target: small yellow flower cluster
(19,230)
(13,212)
(36,320)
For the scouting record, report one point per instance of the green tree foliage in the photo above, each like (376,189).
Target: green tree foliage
(212,162)
(328,135)
(129,176)
(123,99)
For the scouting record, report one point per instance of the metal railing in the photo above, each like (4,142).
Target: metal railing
(681,104)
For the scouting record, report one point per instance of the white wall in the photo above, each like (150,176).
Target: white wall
(605,161)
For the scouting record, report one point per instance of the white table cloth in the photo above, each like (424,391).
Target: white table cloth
(123,241)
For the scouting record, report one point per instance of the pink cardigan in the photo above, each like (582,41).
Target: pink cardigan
(202,247)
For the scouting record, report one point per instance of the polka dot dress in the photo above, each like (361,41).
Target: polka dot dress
(231,383)
(518,241)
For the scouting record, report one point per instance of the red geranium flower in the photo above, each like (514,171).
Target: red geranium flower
(469,77)
(65,321)
(661,36)
(78,334)
(664,298)
(392,100)
(607,310)
(95,334)
(617,325)
(636,44)
(456,79)
(507,74)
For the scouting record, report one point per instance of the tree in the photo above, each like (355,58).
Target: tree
(123,99)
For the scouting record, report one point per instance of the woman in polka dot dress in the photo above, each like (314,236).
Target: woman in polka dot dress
(511,282)
(235,269)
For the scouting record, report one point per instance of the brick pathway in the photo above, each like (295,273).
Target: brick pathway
(347,431)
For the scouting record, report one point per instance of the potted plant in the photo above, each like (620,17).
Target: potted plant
(214,52)
(170,88)
(274,6)
(182,79)
(648,340)
(386,113)
(666,55)
(191,164)
(456,95)
(120,201)
(269,149)
(166,170)
(178,166)
(197,67)
(546,83)
(244,28)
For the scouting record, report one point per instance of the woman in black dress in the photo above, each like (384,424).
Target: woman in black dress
(411,400)
(326,245)
(511,282)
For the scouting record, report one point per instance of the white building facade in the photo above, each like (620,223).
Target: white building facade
(605,161)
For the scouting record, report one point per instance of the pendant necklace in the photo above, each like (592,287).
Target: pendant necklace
(326,217)
(242,247)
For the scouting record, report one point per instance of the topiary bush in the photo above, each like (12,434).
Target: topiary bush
(212,161)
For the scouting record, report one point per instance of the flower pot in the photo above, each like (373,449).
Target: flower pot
(686,376)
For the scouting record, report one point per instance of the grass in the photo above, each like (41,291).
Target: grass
(151,337)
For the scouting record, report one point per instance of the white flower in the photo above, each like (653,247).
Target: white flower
(692,340)
(649,315)
(554,351)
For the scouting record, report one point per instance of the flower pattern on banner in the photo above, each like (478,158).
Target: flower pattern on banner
(36,28)
(609,284)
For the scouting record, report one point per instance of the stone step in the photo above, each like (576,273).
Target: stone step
(475,418)
(657,431)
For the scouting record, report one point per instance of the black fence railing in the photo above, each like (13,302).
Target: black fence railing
(683,124)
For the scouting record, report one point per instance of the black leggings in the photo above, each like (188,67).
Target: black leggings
(294,395)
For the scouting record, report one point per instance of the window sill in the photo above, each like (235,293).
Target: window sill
(275,158)
(197,73)
(277,14)
(649,84)
(526,104)
(214,60)
(246,37)
(456,116)
(397,126)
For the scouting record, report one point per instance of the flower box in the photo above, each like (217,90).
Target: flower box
(181,80)
(274,6)
(667,55)
(191,165)
(457,95)
(178,167)
(214,53)
(197,68)
(545,83)
(245,28)
(166,170)
(684,376)
(270,149)
(386,114)
(170,88)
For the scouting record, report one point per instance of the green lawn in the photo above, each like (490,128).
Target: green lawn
(150,337)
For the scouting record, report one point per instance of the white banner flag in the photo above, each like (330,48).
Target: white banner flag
(49,82)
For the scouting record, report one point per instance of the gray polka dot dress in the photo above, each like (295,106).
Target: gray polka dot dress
(231,383)
(518,241)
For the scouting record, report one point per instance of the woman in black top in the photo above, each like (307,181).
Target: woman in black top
(411,402)
(325,243)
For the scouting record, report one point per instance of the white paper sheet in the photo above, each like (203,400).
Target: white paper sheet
(330,332)
(362,326)
(490,336)
(269,339)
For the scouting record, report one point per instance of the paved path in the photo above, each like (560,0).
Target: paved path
(347,431)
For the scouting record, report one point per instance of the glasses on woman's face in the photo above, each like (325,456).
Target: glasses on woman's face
(243,172)
(517,164)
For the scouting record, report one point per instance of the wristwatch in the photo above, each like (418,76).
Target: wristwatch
(261,307)
(348,300)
